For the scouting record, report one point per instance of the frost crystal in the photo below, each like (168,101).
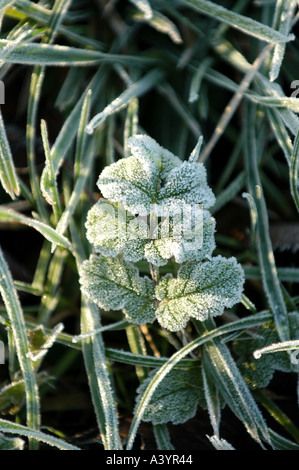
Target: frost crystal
(154,208)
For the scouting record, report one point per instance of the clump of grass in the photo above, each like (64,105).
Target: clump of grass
(80,79)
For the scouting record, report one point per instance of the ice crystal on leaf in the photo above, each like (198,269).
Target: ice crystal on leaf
(116,285)
(200,290)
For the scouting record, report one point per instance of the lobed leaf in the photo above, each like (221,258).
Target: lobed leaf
(176,398)
(200,290)
(116,285)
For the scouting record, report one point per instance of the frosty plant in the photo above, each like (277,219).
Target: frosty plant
(155,208)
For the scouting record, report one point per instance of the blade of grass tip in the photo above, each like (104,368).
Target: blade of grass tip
(245,24)
(84,172)
(133,91)
(162,24)
(15,313)
(282,22)
(15,428)
(234,103)
(8,175)
(294,172)
(50,192)
(131,123)
(70,126)
(260,221)
(96,363)
(177,357)
(145,7)
(81,134)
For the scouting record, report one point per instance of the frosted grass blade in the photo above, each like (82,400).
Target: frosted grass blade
(8,174)
(51,192)
(145,7)
(15,313)
(96,363)
(283,16)
(294,172)
(9,215)
(133,91)
(277,347)
(14,428)
(245,24)
(260,216)
(63,56)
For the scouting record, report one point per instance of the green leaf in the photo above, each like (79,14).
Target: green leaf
(186,184)
(134,90)
(116,285)
(60,56)
(188,237)
(200,290)
(134,181)
(111,230)
(9,215)
(176,398)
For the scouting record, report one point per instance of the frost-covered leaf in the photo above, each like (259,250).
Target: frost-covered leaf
(134,181)
(200,290)
(186,184)
(111,230)
(259,372)
(186,236)
(189,239)
(153,179)
(116,285)
(176,398)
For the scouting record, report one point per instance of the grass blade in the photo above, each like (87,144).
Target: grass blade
(243,23)
(259,214)
(9,215)
(294,172)
(133,91)
(18,429)
(8,176)
(15,313)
